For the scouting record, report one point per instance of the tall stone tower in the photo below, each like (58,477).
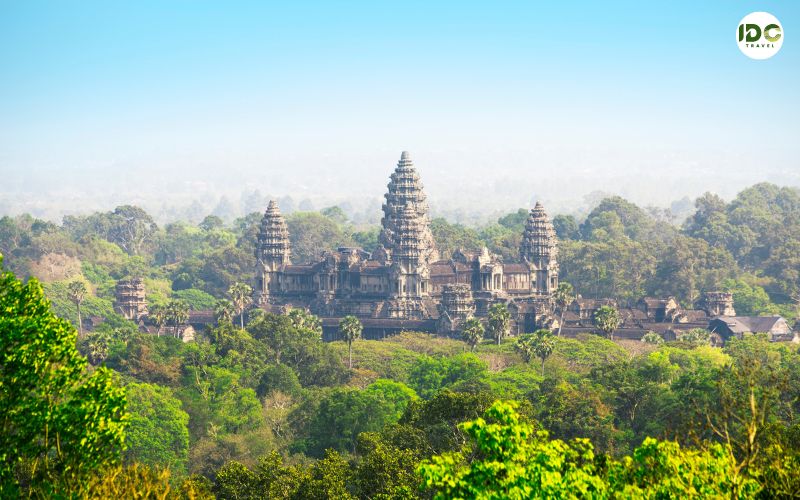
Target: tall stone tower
(539,249)
(405,192)
(131,301)
(719,304)
(272,253)
(410,274)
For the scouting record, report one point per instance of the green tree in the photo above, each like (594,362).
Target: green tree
(563,296)
(224,311)
(539,344)
(652,337)
(57,419)
(157,433)
(511,460)
(346,412)
(131,228)
(696,336)
(77,292)
(473,332)
(158,314)
(241,296)
(499,322)
(607,320)
(97,345)
(176,312)
(350,329)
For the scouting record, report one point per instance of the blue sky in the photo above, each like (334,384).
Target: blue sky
(316,99)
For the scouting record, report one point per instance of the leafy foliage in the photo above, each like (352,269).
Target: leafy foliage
(58,419)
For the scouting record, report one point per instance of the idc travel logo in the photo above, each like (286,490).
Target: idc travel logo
(759,35)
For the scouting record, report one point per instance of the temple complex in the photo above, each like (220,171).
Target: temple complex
(404,284)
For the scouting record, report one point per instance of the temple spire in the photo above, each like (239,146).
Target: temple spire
(539,248)
(406,202)
(273,238)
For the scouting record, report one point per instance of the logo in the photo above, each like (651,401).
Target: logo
(760,35)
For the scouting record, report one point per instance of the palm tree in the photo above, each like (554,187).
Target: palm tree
(305,320)
(241,296)
(77,292)
(158,314)
(540,343)
(563,296)
(224,311)
(607,319)
(499,321)
(97,347)
(473,332)
(543,345)
(178,313)
(350,329)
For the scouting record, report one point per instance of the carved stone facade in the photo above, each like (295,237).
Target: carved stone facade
(719,304)
(455,308)
(130,299)
(404,284)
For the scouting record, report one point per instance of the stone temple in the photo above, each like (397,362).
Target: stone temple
(404,284)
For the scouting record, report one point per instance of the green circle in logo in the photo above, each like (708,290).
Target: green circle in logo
(759,35)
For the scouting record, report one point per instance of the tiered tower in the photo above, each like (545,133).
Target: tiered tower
(131,301)
(405,191)
(719,304)
(539,249)
(272,253)
(410,273)
(456,307)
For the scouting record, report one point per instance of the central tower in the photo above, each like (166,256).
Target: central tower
(539,248)
(406,205)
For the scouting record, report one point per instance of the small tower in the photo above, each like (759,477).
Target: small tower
(456,307)
(719,304)
(405,191)
(272,253)
(539,249)
(131,301)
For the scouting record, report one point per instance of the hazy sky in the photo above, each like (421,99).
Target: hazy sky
(165,102)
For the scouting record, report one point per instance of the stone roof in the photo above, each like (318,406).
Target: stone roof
(516,268)
(442,268)
(594,303)
(695,315)
(751,324)
(657,302)
(204,316)
(298,268)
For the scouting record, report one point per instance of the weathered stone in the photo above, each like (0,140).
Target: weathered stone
(131,301)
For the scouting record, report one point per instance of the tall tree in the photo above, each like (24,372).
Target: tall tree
(224,311)
(563,296)
(543,345)
(540,344)
(350,329)
(241,295)
(57,418)
(499,322)
(178,314)
(473,332)
(77,292)
(130,228)
(158,314)
(607,320)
